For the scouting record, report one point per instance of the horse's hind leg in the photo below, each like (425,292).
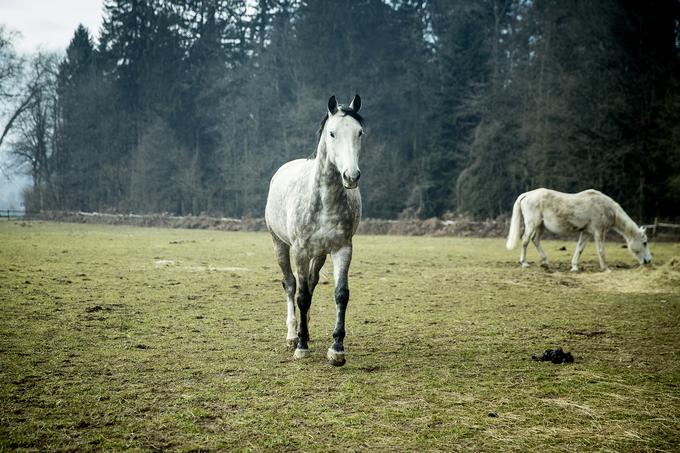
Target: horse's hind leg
(282,251)
(304,301)
(580,245)
(528,234)
(341,261)
(537,243)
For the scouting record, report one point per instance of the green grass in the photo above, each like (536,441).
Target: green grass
(135,338)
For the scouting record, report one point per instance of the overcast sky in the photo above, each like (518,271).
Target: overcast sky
(44,25)
(49,24)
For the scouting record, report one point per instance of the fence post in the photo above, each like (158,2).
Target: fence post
(656,226)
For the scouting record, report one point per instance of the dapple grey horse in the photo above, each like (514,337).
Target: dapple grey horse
(314,208)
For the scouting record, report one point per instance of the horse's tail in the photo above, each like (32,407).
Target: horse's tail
(513,234)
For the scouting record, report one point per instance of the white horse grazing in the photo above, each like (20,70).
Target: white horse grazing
(314,208)
(590,213)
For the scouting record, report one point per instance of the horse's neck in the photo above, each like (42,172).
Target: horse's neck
(624,224)
(327,180)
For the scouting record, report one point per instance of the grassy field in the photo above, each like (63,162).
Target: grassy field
(136,338)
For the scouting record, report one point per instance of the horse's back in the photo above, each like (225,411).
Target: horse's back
(551,197)
(564,212)
(289,173)
(284,195)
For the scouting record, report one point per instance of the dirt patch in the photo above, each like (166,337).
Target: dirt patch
(214,269)
(555,356)
(449,226)
(201,222)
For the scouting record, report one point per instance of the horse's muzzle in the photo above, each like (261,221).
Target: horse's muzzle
(350,179)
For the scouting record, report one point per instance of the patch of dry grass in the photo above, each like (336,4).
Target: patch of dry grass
(132,338)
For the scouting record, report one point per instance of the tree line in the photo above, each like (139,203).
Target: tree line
(189,107)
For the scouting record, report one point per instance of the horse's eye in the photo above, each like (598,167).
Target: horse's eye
(332,134)
(361,133)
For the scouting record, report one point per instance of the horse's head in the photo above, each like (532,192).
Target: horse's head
(342,133)
(637,244)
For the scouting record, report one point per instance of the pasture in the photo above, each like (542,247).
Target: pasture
(140,338)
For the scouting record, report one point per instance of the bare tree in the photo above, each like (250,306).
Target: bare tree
(36,123)
(14,97)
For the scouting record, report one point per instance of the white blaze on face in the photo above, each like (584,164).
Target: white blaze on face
(343,145)
(646,255)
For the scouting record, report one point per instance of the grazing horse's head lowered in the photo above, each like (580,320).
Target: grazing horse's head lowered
(341,132)
(637,244)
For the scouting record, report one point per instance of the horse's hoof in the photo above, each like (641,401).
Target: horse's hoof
(574,269)
(301,354)
(524,265)
(335,358)
(292,342)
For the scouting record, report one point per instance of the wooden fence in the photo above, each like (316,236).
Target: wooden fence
(654,228)
(435,227)
(11,213)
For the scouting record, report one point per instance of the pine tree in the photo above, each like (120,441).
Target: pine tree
(76,158)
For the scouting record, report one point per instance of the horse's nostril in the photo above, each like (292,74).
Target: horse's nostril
(351,177)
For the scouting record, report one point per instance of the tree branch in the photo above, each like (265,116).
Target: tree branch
(24,105)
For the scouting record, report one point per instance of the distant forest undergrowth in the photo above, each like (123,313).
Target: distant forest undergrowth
(449,225)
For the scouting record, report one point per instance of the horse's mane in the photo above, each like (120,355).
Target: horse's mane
(623,221)
(347,112)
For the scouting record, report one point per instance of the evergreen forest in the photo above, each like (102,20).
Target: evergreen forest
(189,106)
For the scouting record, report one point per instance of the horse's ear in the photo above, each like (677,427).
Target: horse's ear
(356,103)
(332,105)
(643,228)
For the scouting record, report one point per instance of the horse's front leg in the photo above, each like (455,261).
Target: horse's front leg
(304,301)
(598,237)
(341,261)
